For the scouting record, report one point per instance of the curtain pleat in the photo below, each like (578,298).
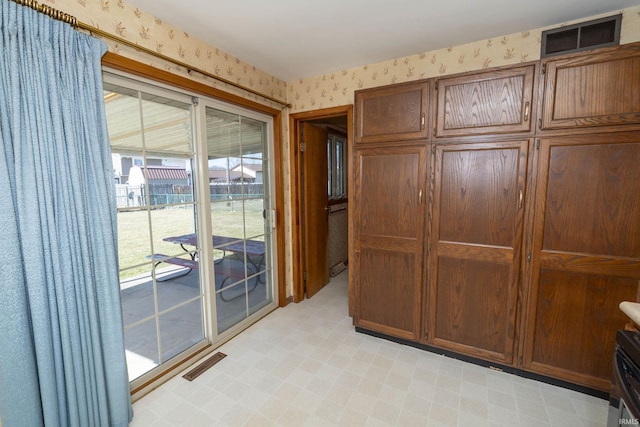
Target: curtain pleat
(66,365)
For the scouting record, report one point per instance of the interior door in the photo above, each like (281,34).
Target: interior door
(316,214)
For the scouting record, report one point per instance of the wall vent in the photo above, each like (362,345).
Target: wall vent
(585,35)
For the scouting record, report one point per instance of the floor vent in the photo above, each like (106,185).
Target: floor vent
(201,368)
(337,269)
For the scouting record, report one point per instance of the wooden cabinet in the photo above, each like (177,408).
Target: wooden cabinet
(503,241)
(392,113)
(599,89)
(477,236)
(485,103)
(586,254)
(389,208)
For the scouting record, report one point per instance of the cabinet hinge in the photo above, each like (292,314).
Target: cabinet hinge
(520,360)
(537,143)
(426,336)
(433,148)
(436,85)
(434,131)
(303,146)
(544,69)
(304,276)
(540,123)
(195,101)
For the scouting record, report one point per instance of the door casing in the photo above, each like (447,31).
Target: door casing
(295,121)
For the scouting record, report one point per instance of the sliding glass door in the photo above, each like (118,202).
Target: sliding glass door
(193,196)
(240,209)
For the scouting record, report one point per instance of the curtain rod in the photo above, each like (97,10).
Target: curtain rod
(69,19)
(49,11)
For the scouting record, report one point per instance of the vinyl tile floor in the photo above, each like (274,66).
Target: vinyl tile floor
(304,365)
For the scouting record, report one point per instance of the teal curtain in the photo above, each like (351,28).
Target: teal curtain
(62,357)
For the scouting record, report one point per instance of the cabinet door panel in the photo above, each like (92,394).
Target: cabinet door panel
(387,296)
(574,335)
(392,113)
(593,178)
(389,200)
(473,304)
(476,240)
(593,90)
(389,195)
(485,103)
(586,254)
(478,197)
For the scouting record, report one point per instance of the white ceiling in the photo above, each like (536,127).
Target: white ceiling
(292,39)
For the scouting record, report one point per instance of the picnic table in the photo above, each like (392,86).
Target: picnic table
(253,249)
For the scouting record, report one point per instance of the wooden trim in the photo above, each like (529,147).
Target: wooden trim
(295,121)
(131,66)
(278,160)
(121,63)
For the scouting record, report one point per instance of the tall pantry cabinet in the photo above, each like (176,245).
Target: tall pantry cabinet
(585,233)
(524,187)
(390,178)
(481,142)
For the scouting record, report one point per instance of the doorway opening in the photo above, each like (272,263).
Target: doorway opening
(320,150)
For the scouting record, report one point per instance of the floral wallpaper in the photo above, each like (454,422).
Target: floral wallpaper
(327,90)
(119,18)
(337,88)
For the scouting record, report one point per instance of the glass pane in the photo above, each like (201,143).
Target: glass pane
(238,177)
(151,141)
(176,283)
(223,134)
(228,219)
(167,124)
(122,108)
(174,230)
(329,169)
(134,242)
(141,347)
(180,329)
(340,169)
(231,305)
(253,138)
(137,298)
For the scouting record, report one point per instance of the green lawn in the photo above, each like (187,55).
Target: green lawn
(140,232)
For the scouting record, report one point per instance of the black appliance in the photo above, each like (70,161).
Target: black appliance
(624,400)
